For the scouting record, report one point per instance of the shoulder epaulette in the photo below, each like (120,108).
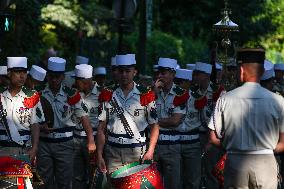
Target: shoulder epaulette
(2,89)
(29,92)
(99,88)
(33,97)
(40,88)
(112,86)
(178,90)
(146,95)
(214,86)
(181,96)
(143,89)
(105,95)
(73,95)
(69,91)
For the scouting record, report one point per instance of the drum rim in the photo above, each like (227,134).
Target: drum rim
(127,166)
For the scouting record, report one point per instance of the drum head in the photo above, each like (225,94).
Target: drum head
(130,169)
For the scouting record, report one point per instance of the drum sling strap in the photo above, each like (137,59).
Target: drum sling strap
(127,121)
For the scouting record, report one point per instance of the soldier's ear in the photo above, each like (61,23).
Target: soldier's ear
(135,72)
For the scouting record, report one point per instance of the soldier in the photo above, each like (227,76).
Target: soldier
(4,81)
(190,66)
(56,147)
(89,92)
(189,135)
(219,70)
(139,109)
(113,74)
(155,72)
(114,70)
(69,76)
(100,76)
(171,107)
(201,78)
(253,131)
(183,78)
(266,79)
(35,77)
(21,113)
(279,80)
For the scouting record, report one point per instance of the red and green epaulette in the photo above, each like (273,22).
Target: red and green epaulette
(181,97)
(146,95)
(73,95)
(2,89)
(40,88)
(200,100)
(217,90)
(32,98)
(105,95)
(112,86)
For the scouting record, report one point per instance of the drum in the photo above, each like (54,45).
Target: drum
(218,170)
(99,180)
(137,176)
(14,173)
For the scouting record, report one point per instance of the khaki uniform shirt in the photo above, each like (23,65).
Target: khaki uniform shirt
(65,115)
(16,110)
(142,115)
(69,79)
(92,104)
(165,106)
(192,118)
(249,118)
(206,113)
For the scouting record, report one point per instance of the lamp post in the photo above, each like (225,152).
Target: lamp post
(224,28)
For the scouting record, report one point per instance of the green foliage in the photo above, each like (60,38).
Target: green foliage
(76,28)
(181,29)
(161,44)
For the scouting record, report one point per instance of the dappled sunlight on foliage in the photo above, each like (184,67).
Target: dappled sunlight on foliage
(181,29)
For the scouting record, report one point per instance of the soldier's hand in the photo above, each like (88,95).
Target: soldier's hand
(148,156)
(45,129)
(101,164)
(32,154)
(91,147)
(159,84)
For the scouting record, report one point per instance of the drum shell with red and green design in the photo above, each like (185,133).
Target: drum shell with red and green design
(137,176)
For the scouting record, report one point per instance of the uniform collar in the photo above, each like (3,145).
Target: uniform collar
(95,89)
(6,93)
(47,90)
(130,94)
(134,90)
(251,84)
(172,92)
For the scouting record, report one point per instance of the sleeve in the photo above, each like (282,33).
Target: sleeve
(216,120)
(80,109)
(103,111)
(152,115)
(37,114)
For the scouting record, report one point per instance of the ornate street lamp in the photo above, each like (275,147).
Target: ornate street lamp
(224,28)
